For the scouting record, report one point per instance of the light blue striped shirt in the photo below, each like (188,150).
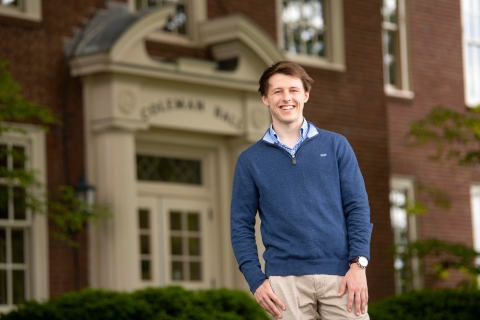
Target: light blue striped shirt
(303,136)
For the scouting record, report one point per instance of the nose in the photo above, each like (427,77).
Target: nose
(286,96)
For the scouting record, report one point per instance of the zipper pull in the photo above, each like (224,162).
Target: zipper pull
(294,160)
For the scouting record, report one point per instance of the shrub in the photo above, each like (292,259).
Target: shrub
(429,305)
(148,304)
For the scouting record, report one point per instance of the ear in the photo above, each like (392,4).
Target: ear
(307,95)
(265,100)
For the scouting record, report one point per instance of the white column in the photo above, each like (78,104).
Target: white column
(116,256)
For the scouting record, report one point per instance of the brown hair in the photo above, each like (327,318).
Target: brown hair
(287,68)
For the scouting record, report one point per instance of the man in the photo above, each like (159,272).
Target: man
(315,219)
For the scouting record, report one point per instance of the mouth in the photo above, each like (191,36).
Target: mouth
(287,107)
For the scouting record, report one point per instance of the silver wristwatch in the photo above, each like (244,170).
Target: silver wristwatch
(361,261)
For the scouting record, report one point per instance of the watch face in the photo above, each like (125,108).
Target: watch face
(363,261)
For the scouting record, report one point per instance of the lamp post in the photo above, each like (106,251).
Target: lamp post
(85,192)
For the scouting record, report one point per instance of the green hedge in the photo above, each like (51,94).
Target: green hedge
(428,305)
(149,304)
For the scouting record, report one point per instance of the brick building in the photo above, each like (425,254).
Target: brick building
(157,101)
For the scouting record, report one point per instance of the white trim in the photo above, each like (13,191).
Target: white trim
(394,92)
(38,257)
(335,55)
(29,10)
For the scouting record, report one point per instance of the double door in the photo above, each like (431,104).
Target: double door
(176,241)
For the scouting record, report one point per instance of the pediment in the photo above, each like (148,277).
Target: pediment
(115,42)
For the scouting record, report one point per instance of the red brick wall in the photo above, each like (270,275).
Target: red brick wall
(437,72)
(35,52)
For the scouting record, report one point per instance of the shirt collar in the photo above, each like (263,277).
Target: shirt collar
(303,130)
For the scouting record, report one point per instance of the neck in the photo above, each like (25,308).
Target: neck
(288,133)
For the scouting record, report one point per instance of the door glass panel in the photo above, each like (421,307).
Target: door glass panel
(193,222)
(177,245)
(146,270)
(195,271)
(177,270)
(143,217)
(175,220)
(144,244)
(194,246)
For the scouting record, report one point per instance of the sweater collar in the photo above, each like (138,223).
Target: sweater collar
(311,132)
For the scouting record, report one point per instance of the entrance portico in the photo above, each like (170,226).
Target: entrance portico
(162,139)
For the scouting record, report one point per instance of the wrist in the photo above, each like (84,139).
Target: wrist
(360,261)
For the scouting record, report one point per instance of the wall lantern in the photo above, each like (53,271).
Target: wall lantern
(85,192)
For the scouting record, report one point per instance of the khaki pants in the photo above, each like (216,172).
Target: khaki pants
(306,295)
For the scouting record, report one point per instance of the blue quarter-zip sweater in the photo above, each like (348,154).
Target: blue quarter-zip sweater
(313,208)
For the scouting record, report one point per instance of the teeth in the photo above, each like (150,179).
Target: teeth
(287,107)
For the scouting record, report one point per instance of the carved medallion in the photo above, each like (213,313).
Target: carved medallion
(126,101)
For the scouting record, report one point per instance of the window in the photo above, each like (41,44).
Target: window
(177,23)
(181,26)
(395,52)
(311,32)
(475,203)
(185,245)
(24,9)
(471,52)
(304,27)
(23,234)
(404,231)
(15,225)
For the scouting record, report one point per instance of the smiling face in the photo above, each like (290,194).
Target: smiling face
(285,98)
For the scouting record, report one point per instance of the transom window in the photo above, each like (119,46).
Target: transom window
(15,225)
(304,27)
(176,23)
(185,246)
(471,35)
(164,169)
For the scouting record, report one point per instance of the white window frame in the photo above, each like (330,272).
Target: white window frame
(27,9)
(33,139)
(196,12)
(475,207)
(468,74)
(334,37)
(404,87)
(407,184)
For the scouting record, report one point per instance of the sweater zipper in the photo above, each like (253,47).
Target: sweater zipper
(294,157)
